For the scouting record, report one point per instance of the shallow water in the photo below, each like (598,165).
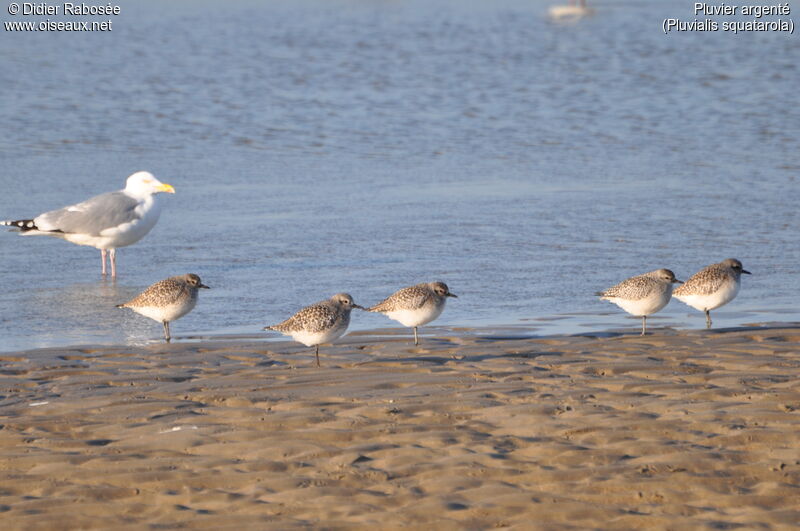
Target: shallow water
(319,147)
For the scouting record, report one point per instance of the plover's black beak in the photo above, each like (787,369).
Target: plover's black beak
(676,281)
(746,272)
(451,295)
(359,307)
(203,286)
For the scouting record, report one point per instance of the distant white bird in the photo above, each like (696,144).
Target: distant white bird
(574,10)
(642,295)
(106,221)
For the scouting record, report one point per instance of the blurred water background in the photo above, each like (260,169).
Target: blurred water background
(364,145)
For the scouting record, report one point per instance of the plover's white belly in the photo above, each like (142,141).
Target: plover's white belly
(646,306)
(722,296)
(417,317)
(169,312)
(311,339)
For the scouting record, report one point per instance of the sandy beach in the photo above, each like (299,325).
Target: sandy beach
(473,429)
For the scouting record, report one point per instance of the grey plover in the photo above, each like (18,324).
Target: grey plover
(322,322)
(642,295)
(106,221)
(415,305)
(712,287)
(167,300)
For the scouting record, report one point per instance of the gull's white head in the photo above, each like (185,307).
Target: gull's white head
(143,183)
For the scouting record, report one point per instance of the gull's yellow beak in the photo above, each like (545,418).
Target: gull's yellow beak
(165,188)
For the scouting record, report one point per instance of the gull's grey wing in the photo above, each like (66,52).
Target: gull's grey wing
(92,216)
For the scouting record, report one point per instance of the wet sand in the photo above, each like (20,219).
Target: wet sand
(475,429)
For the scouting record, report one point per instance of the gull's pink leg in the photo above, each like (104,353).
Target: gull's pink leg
(103,258)
(113,256)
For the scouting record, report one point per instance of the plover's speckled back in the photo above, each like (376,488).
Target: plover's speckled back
(712,287)
(415,305)
(642,295)
(319,323)
(167,300)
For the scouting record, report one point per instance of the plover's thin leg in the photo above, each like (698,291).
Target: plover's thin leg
(317,353)
(708,319)
(416,340)
(166,330)
(644,324)
(103,259)
(112,255)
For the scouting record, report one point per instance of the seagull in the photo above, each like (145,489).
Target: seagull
(106,221)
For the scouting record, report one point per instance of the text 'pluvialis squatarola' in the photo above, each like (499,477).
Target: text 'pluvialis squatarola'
(319,323)
(167,300)
(642,295)
(415,305)
(712,287)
